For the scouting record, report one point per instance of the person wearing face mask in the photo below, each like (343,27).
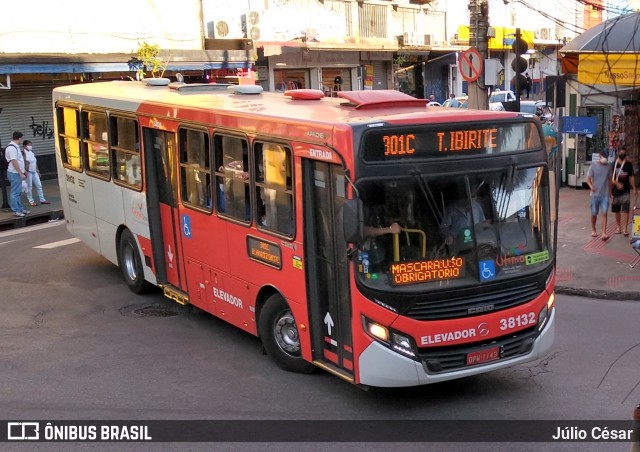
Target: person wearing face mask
(623,181)
(33,174)
(599,181)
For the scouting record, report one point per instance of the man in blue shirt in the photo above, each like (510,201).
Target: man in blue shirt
(16,174)
(454,102)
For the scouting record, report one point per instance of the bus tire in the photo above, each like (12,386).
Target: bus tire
(279,335)
(131,264)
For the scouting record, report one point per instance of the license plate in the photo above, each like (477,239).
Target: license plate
(482,356)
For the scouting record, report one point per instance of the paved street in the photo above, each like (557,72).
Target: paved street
(76,344)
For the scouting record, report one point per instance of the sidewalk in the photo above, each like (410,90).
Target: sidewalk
(40,213)
(587,266)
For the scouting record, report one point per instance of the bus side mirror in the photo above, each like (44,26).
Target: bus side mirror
(353,221)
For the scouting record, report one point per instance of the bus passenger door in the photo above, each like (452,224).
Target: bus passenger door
(162,201)
(329,302)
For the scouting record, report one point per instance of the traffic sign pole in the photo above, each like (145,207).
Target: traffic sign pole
(479,41)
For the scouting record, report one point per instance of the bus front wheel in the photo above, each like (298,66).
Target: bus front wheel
(131,264)
(279,335)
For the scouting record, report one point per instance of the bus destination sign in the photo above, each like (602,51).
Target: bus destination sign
(452,141)
(264,252)
(448,141)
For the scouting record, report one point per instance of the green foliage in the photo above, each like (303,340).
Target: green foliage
(400,59)
(148,54)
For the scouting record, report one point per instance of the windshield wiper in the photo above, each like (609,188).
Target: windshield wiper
(428,195)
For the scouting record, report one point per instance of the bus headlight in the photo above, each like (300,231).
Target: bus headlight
(543,316)
(398,342)
(377,331)
(402,344)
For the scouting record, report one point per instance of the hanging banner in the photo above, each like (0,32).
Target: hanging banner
(609,69)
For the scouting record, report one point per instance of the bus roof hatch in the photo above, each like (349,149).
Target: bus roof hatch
(380,99)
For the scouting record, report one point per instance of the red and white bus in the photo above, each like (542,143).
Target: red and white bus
(387,243)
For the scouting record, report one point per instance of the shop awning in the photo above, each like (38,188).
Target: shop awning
(178,60)
(605,54)
(273,48)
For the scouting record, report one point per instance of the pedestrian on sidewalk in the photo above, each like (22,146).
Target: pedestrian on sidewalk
(33,174)
(623,182)
(600,183)
(16,174)
(528,84)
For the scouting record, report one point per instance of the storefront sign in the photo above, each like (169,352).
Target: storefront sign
(609,69)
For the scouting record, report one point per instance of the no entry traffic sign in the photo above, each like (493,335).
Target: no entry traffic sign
(470,65)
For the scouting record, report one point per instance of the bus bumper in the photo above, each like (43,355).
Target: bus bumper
(382,367)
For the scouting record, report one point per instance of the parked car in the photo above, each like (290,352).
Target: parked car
(498,96)
(533,107)
(538,108)
(434,103)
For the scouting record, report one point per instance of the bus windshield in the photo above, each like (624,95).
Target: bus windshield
(454,230)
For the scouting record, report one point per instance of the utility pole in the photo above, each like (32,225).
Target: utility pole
(478,28)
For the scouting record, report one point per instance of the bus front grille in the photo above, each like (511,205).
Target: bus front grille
(465,306)
(454,358)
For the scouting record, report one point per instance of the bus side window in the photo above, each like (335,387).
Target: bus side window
(231,160)
(195,168)
(95,143)
(69,137)
(125,146)
(274,190)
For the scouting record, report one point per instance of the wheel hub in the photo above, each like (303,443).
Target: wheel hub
(287,333)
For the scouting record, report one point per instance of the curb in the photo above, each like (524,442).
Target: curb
(600,294)
(31,219)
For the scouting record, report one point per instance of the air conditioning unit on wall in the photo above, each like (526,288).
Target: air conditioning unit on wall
(220,29)
(251,25)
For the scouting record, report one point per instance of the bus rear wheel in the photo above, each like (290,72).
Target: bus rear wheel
(131,264)
(279,335)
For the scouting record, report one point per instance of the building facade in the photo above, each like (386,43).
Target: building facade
(332,45)
(49,44)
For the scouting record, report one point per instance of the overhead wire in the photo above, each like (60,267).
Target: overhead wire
(569,26)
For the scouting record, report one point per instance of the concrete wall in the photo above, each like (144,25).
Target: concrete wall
(116,26)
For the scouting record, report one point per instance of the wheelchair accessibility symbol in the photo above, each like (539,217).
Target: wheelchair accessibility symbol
(186,226)
(487,270)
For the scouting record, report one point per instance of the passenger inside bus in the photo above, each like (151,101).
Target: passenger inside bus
(232,159)
(274,187)
(460,214)
(377,248)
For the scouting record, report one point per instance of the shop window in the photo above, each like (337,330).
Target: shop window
(599,142)
(335,80)
(291,79)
